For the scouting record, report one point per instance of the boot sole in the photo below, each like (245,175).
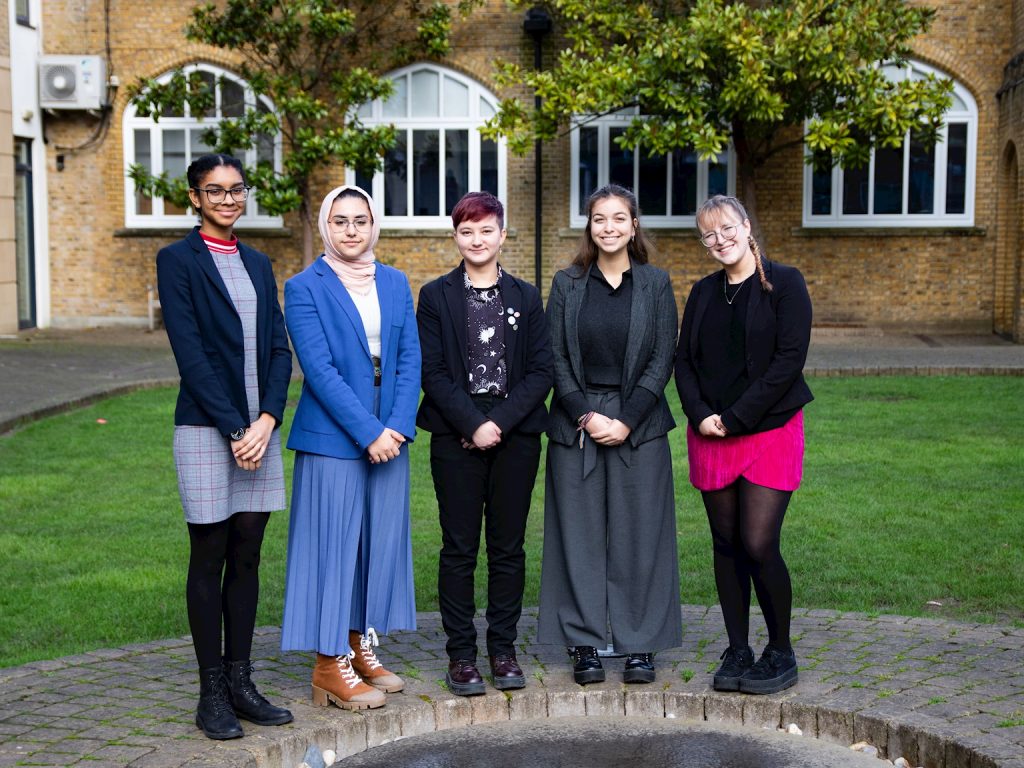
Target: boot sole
(638,676)
(725,683)
(385,688)
(280,720)
(588,676)
(322,698)
(509,683)
(464,689)
(218,735)
(774,685)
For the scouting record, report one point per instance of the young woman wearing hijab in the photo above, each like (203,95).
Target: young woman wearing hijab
(220,308)
(610,558)
(742,347)
(349,551)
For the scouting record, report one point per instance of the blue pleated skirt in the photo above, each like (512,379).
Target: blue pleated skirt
(349,552)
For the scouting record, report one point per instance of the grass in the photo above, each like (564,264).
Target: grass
(911,494)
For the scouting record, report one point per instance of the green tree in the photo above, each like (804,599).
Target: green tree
(702,73)
(317,61)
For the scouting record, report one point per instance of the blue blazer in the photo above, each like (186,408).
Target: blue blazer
(206,336)
(335,416)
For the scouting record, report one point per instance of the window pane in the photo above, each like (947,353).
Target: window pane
(197,146)
(144,157)
(397,105)
(489,166)
(426,172)
(365,110)
(956,168)
(456,168)
(821,186)
(620,160)
(395,178)
(855,190)
(486,108)
(653,186)
(426,94)
(456,98)
(718,175)
(21,11)
(684,183)
(209,83)
(958,104)
(364,182)
(921,185)
(232,98)
(889,180)
(588,167)
(174,162)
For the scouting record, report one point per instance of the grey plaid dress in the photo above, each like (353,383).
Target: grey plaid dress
(211,485)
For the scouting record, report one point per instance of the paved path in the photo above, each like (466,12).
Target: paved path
(940,694)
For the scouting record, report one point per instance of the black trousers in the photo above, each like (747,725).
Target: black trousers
(472,486)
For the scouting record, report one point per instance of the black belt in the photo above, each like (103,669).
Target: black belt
(376,370)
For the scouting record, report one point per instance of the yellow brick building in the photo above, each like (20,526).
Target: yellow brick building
(872,252)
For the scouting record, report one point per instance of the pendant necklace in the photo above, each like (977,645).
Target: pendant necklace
(725,289)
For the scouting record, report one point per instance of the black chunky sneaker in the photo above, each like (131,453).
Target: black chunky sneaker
(773,672)
(639,668)
(735,662)
(586,666)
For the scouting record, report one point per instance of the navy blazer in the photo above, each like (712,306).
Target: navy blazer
(778,333)
(206,336)
(447,406)
(335,416)
(650,346)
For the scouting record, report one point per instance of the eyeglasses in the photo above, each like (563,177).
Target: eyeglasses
(728,232)
(218,194)
(360,223)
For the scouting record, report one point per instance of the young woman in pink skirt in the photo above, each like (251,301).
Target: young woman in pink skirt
(739,364)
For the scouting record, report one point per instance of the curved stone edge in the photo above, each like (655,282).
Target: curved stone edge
(914,370)
(920,739)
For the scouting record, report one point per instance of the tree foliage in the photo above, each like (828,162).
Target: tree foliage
(702,73)
(317,61)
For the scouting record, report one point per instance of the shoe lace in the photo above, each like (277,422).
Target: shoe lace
(345,669)
(366,643)
(581,652)
(644,658)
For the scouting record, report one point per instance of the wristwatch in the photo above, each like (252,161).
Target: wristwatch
(239,433)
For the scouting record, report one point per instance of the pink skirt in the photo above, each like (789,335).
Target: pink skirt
(774,459)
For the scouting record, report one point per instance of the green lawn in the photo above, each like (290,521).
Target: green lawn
(913,493)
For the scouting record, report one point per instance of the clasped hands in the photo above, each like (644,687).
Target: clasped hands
(712,426)
(387,446)
(605,431)
(248,451)
(487,435)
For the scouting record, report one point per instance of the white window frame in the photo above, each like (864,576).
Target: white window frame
(371,114)
(939,218)
(622,119)
(131,122)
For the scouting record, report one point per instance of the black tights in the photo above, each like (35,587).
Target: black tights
(746,526)
(223,580)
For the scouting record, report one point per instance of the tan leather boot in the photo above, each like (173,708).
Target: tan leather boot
(334,680)
(368,666)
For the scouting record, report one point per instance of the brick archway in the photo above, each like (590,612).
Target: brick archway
(1008,314)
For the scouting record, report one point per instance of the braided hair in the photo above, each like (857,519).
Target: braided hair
(714,205)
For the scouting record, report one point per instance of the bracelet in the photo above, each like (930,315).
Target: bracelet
(583,420)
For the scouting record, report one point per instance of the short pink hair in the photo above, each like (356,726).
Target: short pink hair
(475,206)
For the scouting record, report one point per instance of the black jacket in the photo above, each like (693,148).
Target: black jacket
(778,332)
(447,406)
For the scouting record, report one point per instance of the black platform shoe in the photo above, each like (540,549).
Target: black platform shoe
(735,662)
(773,672)
(586,666)
(639,668)
(249,702)
(214,715)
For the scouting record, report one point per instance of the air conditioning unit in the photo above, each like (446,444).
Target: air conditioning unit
(72,82)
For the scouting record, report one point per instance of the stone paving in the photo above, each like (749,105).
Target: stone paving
(940,694)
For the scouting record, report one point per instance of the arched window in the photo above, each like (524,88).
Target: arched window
(439,155)
(911,185)
(171,144)
(668,187)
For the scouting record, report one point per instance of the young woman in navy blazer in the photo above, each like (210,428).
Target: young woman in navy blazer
(742,347)
(220,308)
(349,549)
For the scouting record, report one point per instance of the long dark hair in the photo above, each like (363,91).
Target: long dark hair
(639,247)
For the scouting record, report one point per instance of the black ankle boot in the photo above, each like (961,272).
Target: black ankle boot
(586,665)
(247,701)
(214,715)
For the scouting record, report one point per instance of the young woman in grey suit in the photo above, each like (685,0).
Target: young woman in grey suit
(610,557)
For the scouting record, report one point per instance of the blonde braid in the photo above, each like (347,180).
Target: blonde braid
(765,285)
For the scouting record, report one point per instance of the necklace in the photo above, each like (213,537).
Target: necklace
(725,289)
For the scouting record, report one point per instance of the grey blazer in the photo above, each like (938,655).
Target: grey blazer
(650,348)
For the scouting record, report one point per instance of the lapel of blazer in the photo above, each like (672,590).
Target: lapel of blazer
(573,304)
(639,318)
(702,304)
(387,299)
(205,261)
(512,298)
(455,299)
(340,294)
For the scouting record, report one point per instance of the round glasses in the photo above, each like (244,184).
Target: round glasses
(360,223)
(219,194)
(727,233)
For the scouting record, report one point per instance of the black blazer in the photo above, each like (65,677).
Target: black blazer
(206,336)
(777,336)
(650,347)
(447,406)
